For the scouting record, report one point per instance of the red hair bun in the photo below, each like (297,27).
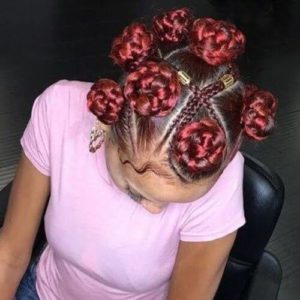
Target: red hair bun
(216,41)
(173,26)
(105,100)
(199,146)
(153,89)
(133,46)
(259,112)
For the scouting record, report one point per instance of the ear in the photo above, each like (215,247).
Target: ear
(104,127)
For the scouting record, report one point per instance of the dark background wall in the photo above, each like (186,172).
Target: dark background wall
(44,41)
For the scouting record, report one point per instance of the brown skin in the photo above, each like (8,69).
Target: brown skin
(199,266)
(170,189)
(27,200)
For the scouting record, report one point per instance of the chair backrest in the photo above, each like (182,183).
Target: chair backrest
(263,200)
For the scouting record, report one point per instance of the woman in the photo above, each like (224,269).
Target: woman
(154,211)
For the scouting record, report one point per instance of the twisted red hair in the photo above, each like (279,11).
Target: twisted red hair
(173,26)
(259,112)
(217,42)
(105,100)
(135,45)
(199,146)
(153,89)
(200,124)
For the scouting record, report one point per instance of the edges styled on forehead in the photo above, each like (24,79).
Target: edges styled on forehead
(149,166)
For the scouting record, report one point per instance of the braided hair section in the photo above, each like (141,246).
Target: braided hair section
(197,148)
(258,114)
(105,100)
(151,104)
(173,26)
(153,89)
(133,46)
(216,41)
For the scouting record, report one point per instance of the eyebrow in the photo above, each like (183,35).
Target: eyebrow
(149,167)
(134,193)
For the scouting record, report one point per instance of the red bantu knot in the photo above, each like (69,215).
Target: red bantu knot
(199,146)
(105,100)
(216,41)
(173,26)
(153,89)
(258,113)
(133,46)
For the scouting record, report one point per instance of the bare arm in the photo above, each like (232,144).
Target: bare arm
(199,268)
(28,196)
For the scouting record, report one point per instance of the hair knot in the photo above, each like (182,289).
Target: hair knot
(258,113)
(153,89)
(216,41)
(199,146)
(105,100)
(135,45)
(173,26)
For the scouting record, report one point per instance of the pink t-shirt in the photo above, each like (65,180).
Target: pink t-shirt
(102,244)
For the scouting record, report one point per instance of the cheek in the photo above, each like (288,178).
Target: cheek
(115,169)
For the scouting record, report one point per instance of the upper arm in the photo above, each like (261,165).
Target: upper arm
(199,267)
(208,231)
(31,185)
(27,199)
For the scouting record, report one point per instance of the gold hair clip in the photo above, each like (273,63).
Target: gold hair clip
(184,78)
(228,80)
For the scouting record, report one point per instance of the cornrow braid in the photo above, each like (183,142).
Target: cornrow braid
(150,108)
(198,98)
(203,96)
(123,133)
(197,149)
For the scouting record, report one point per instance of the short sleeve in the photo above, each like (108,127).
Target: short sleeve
(221,211)
(35,139)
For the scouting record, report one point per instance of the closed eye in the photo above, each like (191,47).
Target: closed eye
(137,198)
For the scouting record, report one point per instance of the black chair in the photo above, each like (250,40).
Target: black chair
(251,273)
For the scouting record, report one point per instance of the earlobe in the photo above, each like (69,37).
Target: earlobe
(105,127)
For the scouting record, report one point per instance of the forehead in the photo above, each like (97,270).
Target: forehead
(153,178)
(157,188)
(144,163)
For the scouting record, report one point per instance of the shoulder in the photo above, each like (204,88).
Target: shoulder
(63,96)
(74,85)
(233,172)
(62,88)
(231,177)
(229,180)
(221,210)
